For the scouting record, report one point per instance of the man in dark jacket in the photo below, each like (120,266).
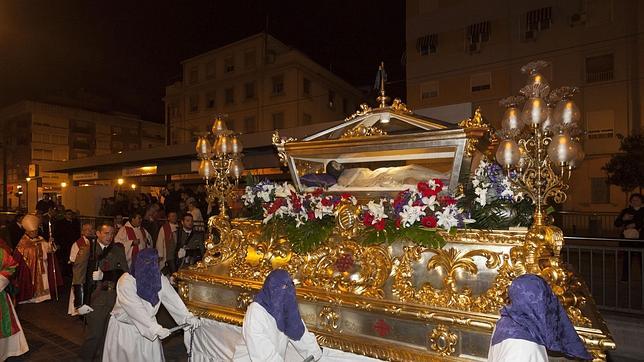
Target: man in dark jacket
(66,231)
(96,270)
(190,243)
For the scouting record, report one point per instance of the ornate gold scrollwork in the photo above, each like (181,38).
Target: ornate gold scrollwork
(347,219)
(363,131)
(329,318)
(260,252)
(364,109)
(347,267)
(475,128)
(184,290)
(223,241)
(243,300)
(450,261)
(443,341)
(398,106)
(279,144)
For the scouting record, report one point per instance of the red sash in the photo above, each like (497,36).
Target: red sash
(81,242)
(132,236)
(167,231)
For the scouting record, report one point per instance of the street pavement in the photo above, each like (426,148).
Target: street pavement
(52,335)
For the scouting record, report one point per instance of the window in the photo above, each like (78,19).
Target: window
(427,44)
(194,75)
(599,190)
(249,124)
(278,120)
(229,96)
(193,103)
(278,85)
(211,69)
(229,65)
(250,59)
(331,99)
(429,90)
(599,68)
(210,99)
(249,90)
(476,34)
(539,19)
(306,86)
(306,119)
(480,82)
(600,124)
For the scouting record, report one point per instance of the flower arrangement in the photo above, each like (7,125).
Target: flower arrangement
(308,218)
(414,214)
(493,201)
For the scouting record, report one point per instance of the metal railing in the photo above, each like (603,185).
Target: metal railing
(591,224)
(614,274)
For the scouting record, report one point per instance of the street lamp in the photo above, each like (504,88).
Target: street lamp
(120,182)
(63,184)
(133,186)
(220,152)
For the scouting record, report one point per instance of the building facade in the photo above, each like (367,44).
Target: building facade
(36,133)
(259,84)
(597,45)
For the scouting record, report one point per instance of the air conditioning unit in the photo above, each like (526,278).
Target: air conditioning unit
(578,19)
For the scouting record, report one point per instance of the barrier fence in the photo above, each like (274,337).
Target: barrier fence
(592,224)
(613,273)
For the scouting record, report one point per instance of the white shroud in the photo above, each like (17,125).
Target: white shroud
(131,335)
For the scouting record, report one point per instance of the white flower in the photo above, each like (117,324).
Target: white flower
(377,210)
(507,188)
(475,182)
(411,214)
(481,194)
(430,202)
(447,218)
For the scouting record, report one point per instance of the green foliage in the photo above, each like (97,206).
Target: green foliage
(625,169)
(500,214)
(418,234)
(305,238)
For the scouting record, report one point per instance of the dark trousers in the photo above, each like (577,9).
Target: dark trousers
(102,302)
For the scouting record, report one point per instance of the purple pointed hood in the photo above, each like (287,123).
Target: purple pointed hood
(148,275)
(534,314)
(277,296)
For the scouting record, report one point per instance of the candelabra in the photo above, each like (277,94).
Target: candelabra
(541,142)
(541,145)
(220,152)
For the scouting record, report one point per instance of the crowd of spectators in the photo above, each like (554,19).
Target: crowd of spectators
(173,197)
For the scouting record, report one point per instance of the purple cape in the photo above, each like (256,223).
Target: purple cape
(535,314)
(277,296)
(148,275)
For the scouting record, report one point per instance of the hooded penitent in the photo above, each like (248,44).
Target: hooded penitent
(30,222)
(535,314)
(148,276)
(277,296)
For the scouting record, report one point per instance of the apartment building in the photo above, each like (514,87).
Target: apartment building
(39,133)
(475,57)
(260,84)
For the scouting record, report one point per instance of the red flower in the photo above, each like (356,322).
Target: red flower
(447,200)
(418,203)
(397,223)
(380,225)
(426,191)
(439,185)
(310,215)
(429,221)
(317,192)
(326,202)
(276,205)
(367,219)
(345,196)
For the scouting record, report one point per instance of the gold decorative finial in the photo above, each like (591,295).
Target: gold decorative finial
(382,75)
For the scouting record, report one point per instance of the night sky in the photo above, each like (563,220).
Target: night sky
(129,50)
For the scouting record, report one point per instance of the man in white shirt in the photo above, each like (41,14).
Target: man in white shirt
(133,237)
